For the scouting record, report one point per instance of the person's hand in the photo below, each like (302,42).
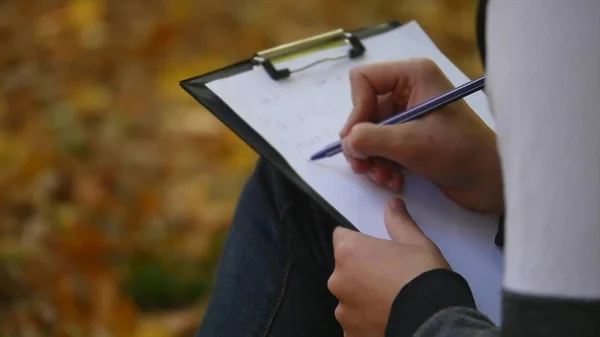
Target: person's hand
(452,147)
(369,273)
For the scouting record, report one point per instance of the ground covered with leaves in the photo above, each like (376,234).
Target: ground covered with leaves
(116,187)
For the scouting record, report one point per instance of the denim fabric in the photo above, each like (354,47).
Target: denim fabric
(272,278)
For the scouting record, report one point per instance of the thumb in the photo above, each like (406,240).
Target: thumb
(373,140)
(401,226)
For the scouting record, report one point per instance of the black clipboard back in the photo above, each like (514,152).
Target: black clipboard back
(197,88)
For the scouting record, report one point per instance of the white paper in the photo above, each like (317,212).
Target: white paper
(300,115)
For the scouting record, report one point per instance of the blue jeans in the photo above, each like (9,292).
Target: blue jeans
(272,278)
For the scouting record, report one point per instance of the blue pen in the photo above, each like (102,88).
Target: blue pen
(416,112)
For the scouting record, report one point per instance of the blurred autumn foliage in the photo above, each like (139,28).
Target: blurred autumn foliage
(116,188)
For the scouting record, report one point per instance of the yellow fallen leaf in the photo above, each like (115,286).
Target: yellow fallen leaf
(83,13)
(86,18)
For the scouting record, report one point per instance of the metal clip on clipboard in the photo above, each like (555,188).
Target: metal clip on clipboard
(267,58)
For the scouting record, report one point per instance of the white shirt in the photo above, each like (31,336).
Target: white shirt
(543,66)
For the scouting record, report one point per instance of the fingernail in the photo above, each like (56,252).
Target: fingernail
(397,204)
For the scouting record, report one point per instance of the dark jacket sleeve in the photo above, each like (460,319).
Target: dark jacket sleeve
(425,296)
(439,303)
(458,322)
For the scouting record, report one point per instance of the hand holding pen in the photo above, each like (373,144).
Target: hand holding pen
(451,146)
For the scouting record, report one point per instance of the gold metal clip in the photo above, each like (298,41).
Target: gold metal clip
(266,58)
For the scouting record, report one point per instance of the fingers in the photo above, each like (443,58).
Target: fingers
(343,242)
(347,245)
(370,81)
(396,182)
(381,171)
(364,100)
(387,173)
(401,226)
(387,105)
(352,321)
(359,166)
(399,80)
(378,91)
(392,142)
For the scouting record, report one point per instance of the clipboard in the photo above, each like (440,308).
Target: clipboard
(466,238)
(197,87)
